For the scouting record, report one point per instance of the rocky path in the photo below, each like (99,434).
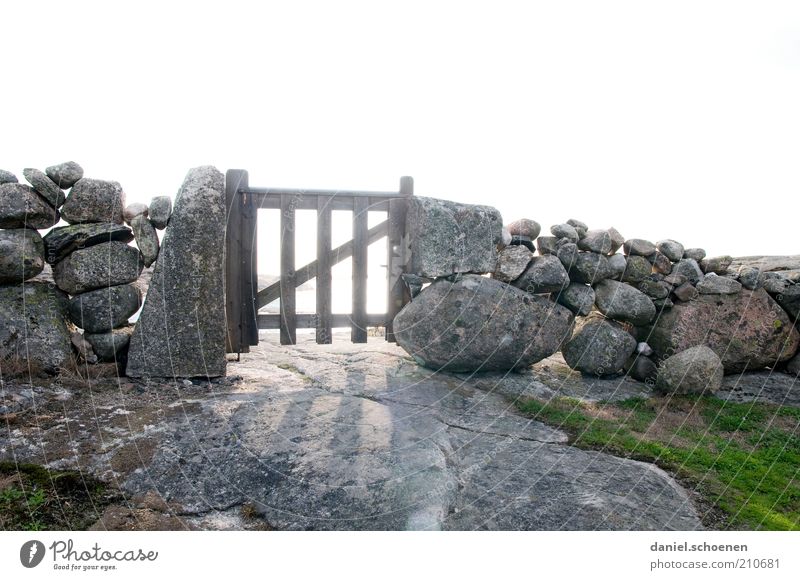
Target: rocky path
(350,436)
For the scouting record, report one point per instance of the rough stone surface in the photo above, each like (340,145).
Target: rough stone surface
(793,366)
(622,302)
(545,274)
(98,266)
(579,298)
(44,186)
(33,324)
(747,330)
(642,369)
(661,263)
(617,239)
(546,245)
(146,238)
(685,292)
(718,265)
(525,227)
(511,263)
(134,209)
(565,231)
(616,265)
(713,284)
(21,255)
(94,200)
(110,346)
(449,237)
(653,289)
(671,249)
(181,330)
(60,242)
(589,268)
(598,241)
(7,177)
(689,268)
(161,209)
(789,300)
(696,370)
(696,254)
(637,269)
(104,309)
(579,226)
(478,323)
(599,347)
(22,207)
(638,247)
(65,175)
(750,278)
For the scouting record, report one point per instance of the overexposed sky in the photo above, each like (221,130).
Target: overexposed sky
(663,119)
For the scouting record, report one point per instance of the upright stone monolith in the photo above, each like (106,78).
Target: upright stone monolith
(181,331)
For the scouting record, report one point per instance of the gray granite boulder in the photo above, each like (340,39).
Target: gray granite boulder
(793,366)
(689,268)
(7,177)
(641,368)
(547,245)
(717,265)
(104,309)
(599,347)
(565,231)
(584,267)
(671,249)
(747,330)
(21,255)
(713,284)
(146,238)
(637,268)
(598,241)
(696,370)
(525,227)
(543,275)
(750,278)
(638,247)
(622,302)
(789,299)
(100,266)
(448,237)
(181,330)
(94,200)
(661,263)
(653,289)
(110,346)
(617,239)
(22,207)
(579,298)
(134,209)
(685,292)
(60,242)
(696,254)
(478,323)
(511,263)
(161,208)
(44,186)
(33,325)
(617,265)
(65,175)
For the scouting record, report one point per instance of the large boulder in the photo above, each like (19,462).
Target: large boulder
(620,301)
(22,207)
(60,242)
(160,210)
(579,298)
(511,263)
(146,238)
(746,330)
(584,267)
(44,186)
(448,237)
(110,346)
(545,274)
(7,177)
(33,325)
(100,266)
(65,175)
(21,255)
(477,323)
(94,200)
(104,309)
(696,370)
(599,347)
(181,330)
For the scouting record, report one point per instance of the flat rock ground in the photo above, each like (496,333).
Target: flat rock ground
(347,436)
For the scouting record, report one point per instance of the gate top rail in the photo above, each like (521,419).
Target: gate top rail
(331,192)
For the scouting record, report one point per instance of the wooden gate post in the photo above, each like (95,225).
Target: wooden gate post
(288,273)
(398,255)
(235,179)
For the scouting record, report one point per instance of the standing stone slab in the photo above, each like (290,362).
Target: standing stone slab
(33,324)
(60,242)
(181,331)
(99,266)
(21,255)
(448,237)
(44,186)
(94,200)
(146,238)
(160,210)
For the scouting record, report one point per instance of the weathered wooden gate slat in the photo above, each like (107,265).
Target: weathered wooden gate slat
(235,179)
(398,253)
(322,270)
(287,283)
(273,321)
(358,331)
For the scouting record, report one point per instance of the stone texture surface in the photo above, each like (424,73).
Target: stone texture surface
(638,247)
(597,241)
(60,242)
(616,265)
(696,370)
(134,209)
(746,330)
(661,263)
(579,298)
(44,186)
(94,200)
(712,284)
(622,302)
(641,368)
(717,265)
(22,207)
(511,263)
(7,177)
(565,231)
(545,274)
(104,309)
(21,255)
(696,254)
(146,238)
(584,267)
(99,266)
(525,227)
(547,245)
(110,346)
(599,347)
(65,175)
(478,323)
(637,269)
(181,330)
(689,268)
(160,210)
(33,324)
(671,249)
(449,237)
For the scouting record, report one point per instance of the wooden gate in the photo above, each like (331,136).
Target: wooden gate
(244,298)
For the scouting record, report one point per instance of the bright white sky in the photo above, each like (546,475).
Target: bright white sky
(663,119)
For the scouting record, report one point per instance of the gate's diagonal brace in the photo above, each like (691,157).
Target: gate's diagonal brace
(309,271)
